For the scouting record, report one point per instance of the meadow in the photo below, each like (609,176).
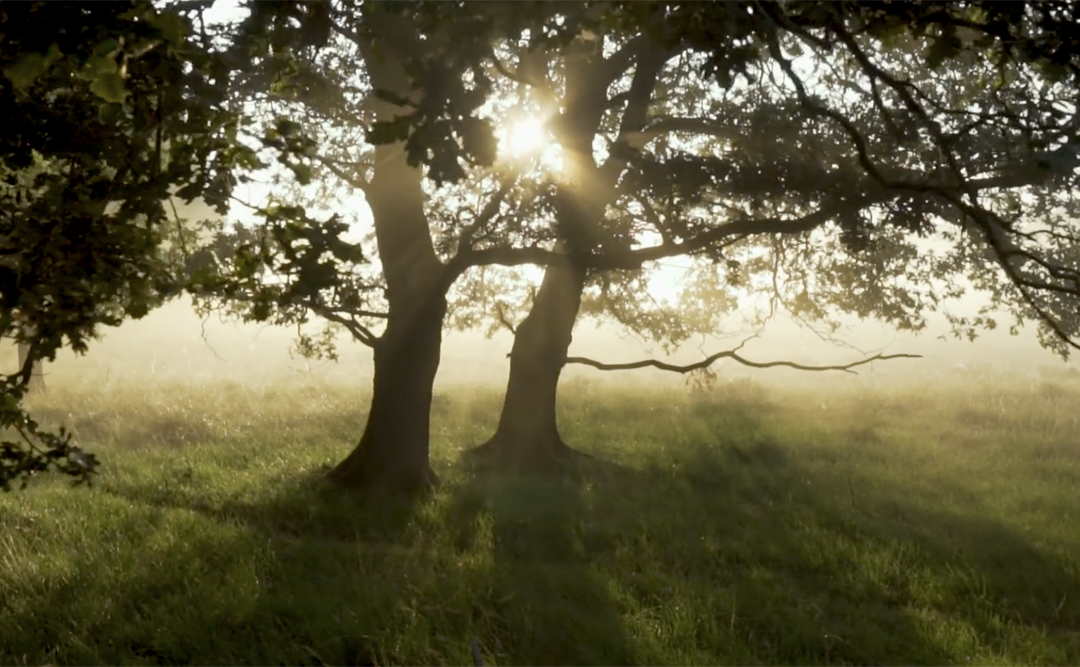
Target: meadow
(921,523)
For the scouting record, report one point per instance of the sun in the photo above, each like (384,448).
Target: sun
(525,137)
(527,142)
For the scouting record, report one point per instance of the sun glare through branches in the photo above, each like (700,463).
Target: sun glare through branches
(526,141)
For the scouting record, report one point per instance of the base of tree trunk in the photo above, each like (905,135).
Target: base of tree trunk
(546,456)
(355,474)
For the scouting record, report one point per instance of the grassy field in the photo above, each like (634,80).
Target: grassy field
(914,525)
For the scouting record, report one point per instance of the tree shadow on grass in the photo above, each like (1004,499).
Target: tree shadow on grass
(741,549)
(300,505)
(744,548)
(552,608)
(775,565)
(304,574)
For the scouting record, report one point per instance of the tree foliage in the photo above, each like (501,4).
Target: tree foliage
(110,109)
(981,169)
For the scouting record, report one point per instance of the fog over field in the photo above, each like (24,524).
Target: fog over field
(175,344)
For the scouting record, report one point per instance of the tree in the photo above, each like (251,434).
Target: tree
(110,108)
(417,83)
(301,69)
(866,262)
(825,203)
(416,106)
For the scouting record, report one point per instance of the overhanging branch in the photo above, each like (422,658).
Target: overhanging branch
(994,228)
(334,167)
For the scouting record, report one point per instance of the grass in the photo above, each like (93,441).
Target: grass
(912,525)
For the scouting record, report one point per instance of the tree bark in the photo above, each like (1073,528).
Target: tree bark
(527,437)
(393,453)
(37,375)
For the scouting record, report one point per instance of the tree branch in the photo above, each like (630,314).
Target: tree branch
(664,124)
(354,181)
(994,228)
(359,331)
(734,355)
(541,87)
(633,259)
(500,314)
(485,216)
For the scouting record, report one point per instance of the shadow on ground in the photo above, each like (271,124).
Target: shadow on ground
(735,550)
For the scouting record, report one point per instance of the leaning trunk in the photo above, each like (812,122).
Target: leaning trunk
(37,375)
(528,434)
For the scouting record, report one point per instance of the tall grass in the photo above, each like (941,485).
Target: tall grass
(913,525)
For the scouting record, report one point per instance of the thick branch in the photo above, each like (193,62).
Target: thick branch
(633,259)
(705,126)
(650,62)
(540,86)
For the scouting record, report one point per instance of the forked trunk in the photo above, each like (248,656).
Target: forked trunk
(527,437)
(392,455)
(37,375)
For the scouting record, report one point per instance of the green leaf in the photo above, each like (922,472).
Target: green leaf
(27,70)
(478,140)
(107,49)
(945,47)
(24,72)
(110,87)
(110,113)
(302,172)
(388,132)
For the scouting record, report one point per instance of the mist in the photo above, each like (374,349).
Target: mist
(175,345)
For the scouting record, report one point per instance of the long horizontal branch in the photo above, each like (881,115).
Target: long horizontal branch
(633,259)
(734,355)
(705,126)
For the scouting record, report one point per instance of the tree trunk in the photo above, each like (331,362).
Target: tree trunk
(392,455)
(37,375)
(527,437)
